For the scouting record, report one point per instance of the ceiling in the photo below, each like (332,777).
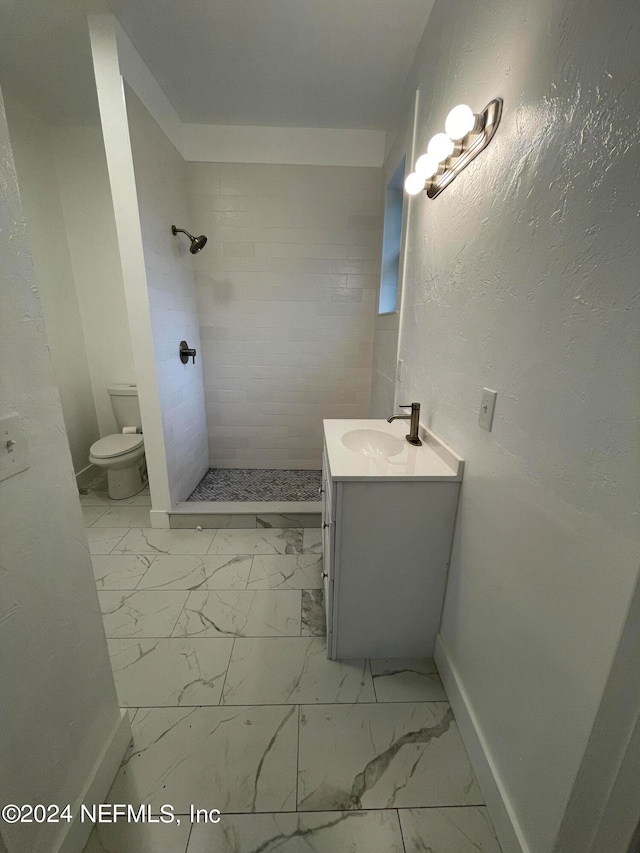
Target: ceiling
(298,63)
(45,57)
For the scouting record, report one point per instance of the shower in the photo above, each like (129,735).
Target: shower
(197,243)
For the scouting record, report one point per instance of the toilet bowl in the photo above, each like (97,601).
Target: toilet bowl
(122,455)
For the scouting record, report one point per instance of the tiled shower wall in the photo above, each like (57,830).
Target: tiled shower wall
(162,199)
(286,293)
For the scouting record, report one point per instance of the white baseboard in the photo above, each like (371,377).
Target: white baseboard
(97,786)
(502,815)
(85,477)
(159,519)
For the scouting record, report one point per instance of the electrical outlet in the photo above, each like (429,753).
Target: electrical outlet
(399,370)
(487,406)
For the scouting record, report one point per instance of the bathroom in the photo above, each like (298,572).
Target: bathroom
(323,293)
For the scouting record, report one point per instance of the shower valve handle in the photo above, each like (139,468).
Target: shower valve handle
(186,352)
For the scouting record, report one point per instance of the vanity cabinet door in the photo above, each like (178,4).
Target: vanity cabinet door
(328,547)
(327,586)
(327,580)
(327,493)
(328,520)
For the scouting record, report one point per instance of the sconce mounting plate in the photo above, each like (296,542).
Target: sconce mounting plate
(490,116)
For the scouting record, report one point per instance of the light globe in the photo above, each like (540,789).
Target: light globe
(460,122)
(426,166)
(440,147)
(414,183)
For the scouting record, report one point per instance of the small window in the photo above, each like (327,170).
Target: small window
(391,239)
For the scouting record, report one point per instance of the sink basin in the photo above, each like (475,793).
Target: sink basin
(373,442)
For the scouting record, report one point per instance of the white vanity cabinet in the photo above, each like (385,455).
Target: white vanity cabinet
(387,534)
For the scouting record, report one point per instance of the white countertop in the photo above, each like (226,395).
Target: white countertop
(434,460)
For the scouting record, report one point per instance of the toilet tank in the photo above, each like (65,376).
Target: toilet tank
(124,400)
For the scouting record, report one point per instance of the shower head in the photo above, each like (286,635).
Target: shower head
(197,243)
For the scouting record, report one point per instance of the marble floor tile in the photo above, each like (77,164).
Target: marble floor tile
(407,680)
(404,755)
(312,541)
(95,499)
(460,830)
(194,572)
(122,837)
(150,541)
(213,520)
(286,571)
(101,498)
(124,516)
(314,623)
(310,832)
(102,540)
(169,672)
(98,482)
(241,613)
(303,519)
(120,571)
(293,669)
(140,614)
(91,514)
(264,541)
(232,759)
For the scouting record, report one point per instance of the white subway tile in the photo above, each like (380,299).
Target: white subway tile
(228,219)
(302,265)
(364,281)
(303,250)
(286,304)
(364,252)
(239,250)
(352,294)
(365,223)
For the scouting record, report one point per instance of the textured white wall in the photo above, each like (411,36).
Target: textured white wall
(59,705)
(286,292)
(93,246)
(32,147)
(160,175)
(523,277)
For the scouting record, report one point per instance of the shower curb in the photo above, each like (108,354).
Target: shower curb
(246,514)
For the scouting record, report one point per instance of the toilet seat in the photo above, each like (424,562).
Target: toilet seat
(115,445)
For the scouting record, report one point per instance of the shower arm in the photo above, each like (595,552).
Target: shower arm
(175,230)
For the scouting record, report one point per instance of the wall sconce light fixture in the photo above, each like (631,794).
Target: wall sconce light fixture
(466,135)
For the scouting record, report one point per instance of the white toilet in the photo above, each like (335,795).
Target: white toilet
(122,455)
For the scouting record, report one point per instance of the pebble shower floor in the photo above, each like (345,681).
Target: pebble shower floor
(239,484)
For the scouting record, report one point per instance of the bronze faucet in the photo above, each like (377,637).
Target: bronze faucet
(414,417)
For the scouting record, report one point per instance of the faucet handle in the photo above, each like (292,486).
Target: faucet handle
(186,353)
(409,405)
